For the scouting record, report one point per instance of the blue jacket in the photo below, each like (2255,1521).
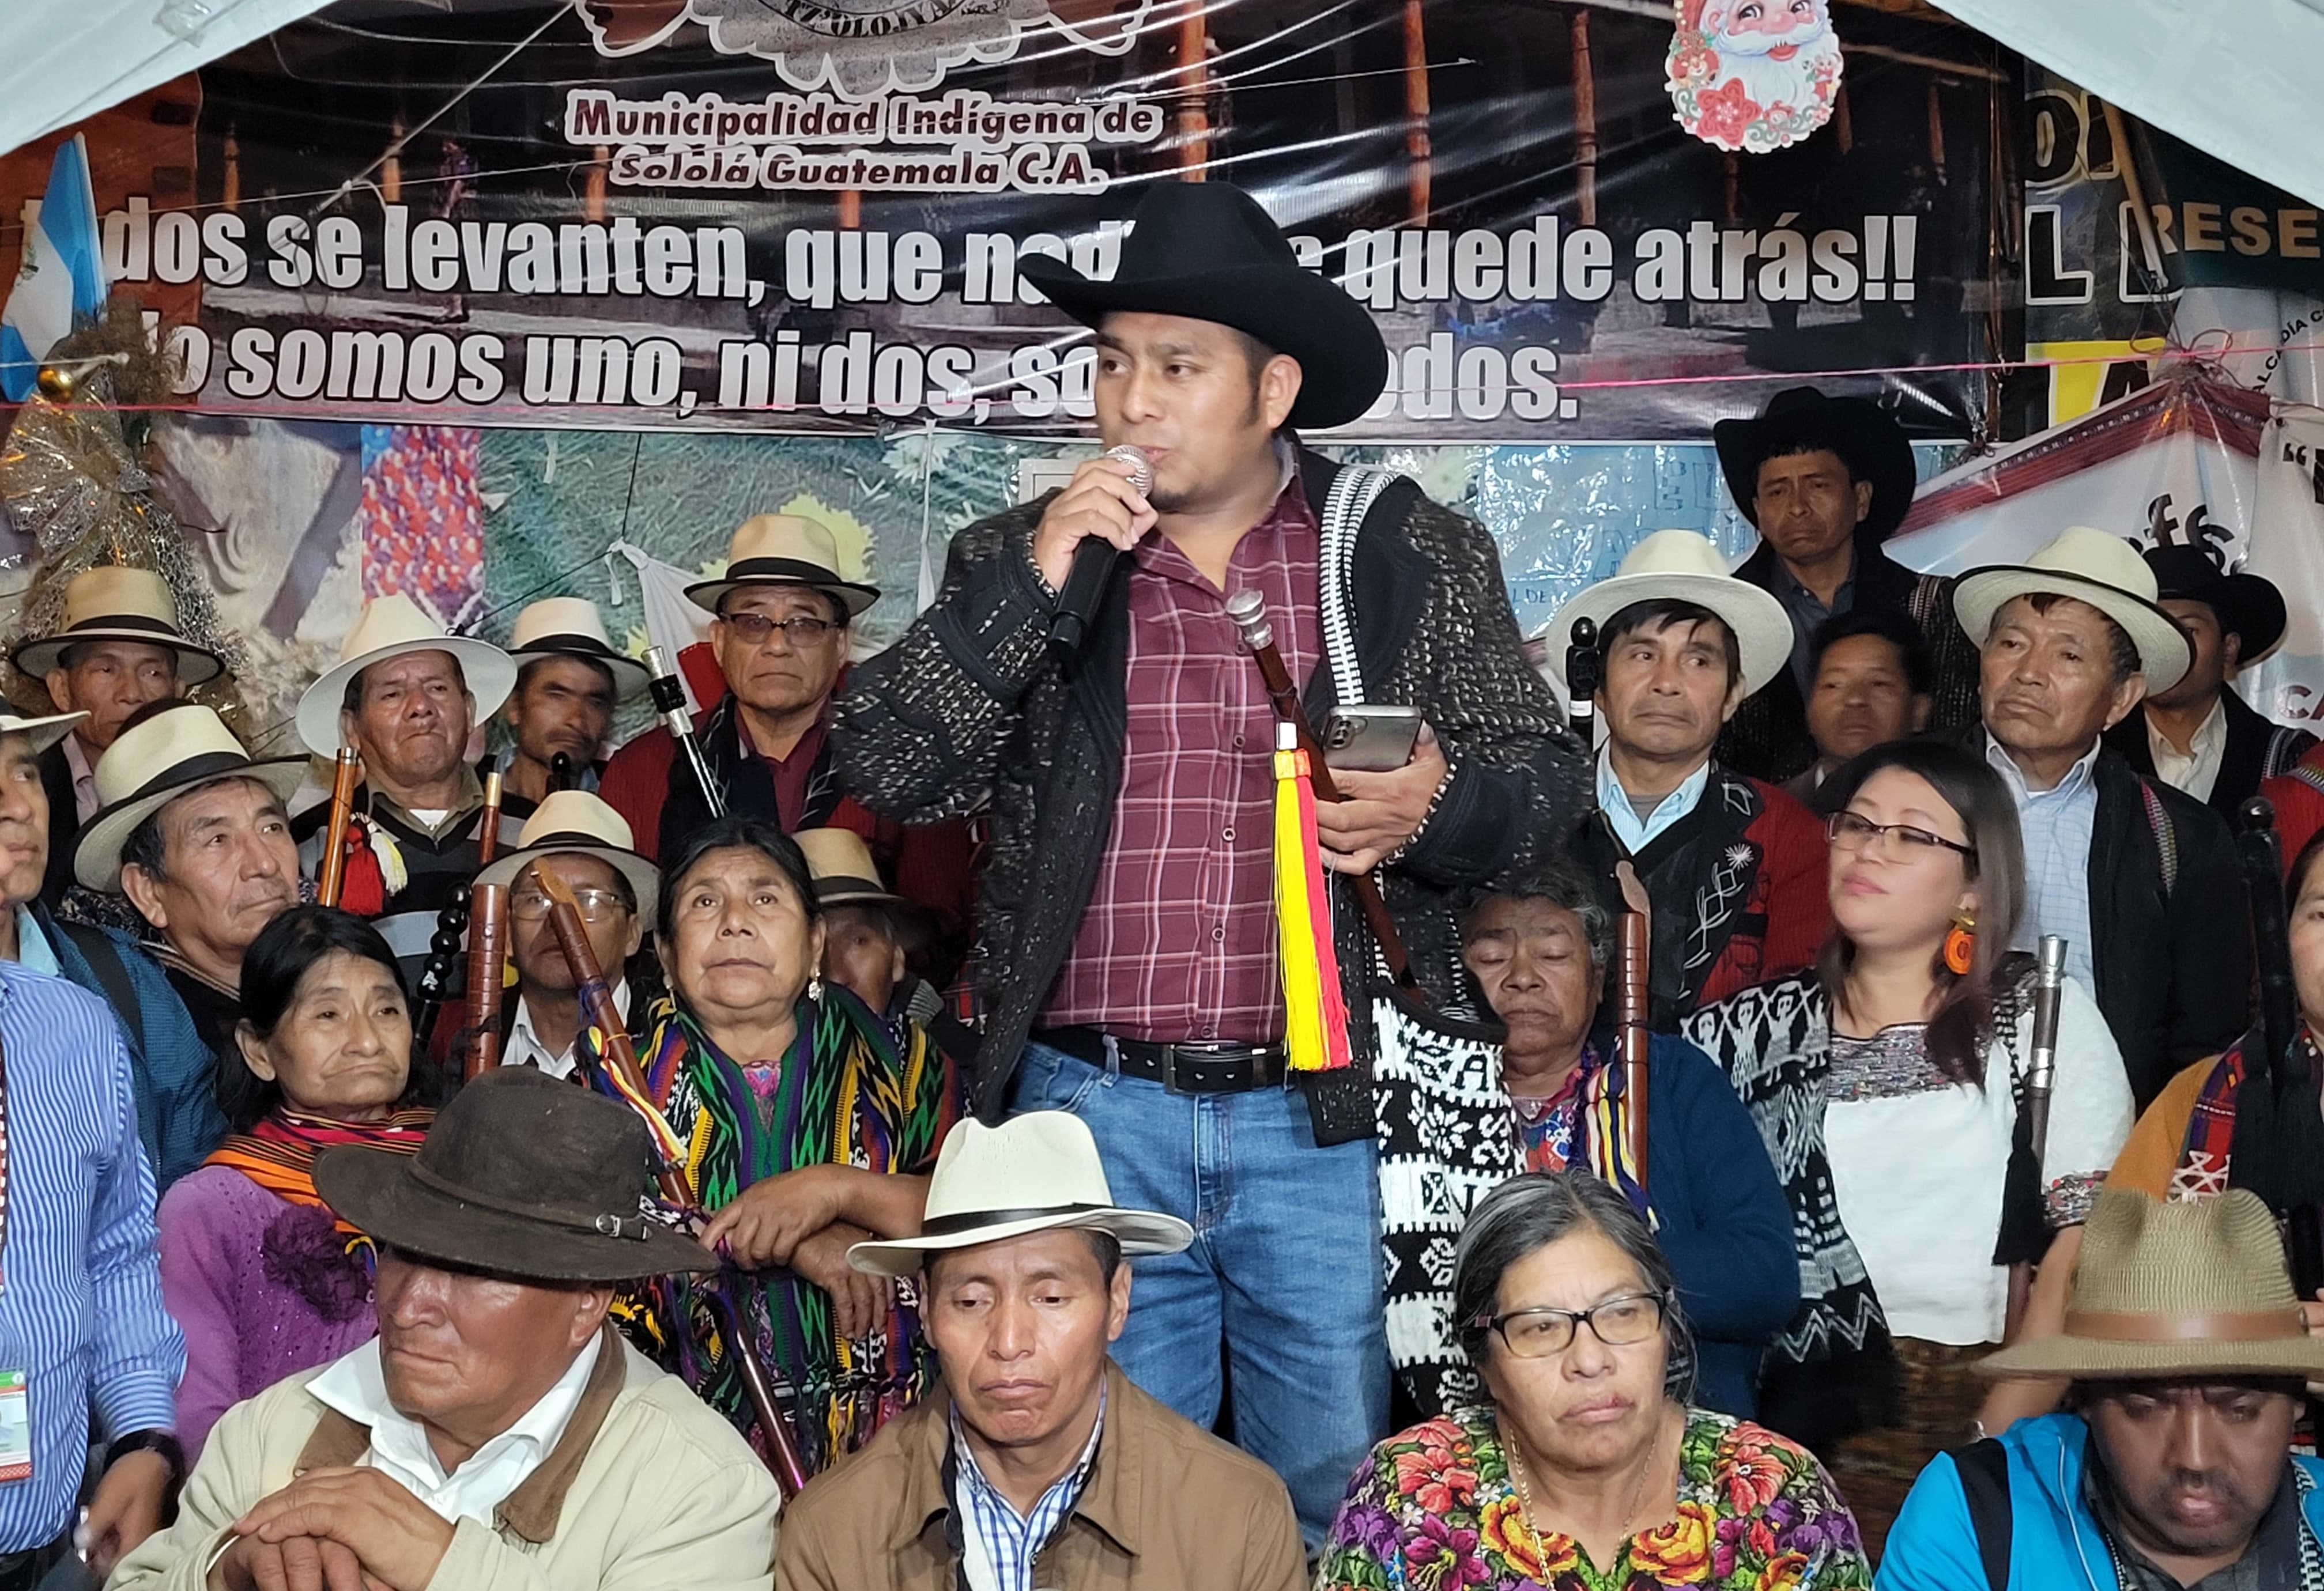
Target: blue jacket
(173,1073)
(1722,1219)
(2055,1544)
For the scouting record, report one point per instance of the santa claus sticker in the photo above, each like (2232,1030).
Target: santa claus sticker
(1754,75)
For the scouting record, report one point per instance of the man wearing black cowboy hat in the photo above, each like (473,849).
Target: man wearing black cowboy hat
(1128,895)
(1824,481)
(498,1432)
(2200,736)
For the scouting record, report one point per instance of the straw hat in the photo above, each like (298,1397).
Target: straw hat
(843,872)
(577,823)
(2090,567)
(110,602)
(1031,1173)
(45,732)
(1680,566)
(390,627)
(570,627)
(2188,1289)
(783,549)
(151,764)
(521,1175)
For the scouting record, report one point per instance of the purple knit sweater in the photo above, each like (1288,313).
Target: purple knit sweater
(263,1288)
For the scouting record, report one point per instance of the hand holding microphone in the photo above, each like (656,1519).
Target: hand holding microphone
(1098,517)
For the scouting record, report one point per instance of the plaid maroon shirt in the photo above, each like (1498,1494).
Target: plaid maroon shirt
(1179,939)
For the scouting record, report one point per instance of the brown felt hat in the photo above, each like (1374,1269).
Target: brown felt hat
(2188,1289)
(521,1175)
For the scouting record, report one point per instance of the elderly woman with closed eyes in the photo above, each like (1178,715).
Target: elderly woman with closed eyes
(1585,1466)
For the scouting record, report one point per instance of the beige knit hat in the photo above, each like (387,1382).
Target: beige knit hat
(2175,1290)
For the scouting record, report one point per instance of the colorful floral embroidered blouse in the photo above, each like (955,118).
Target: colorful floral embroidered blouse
(1434,1510)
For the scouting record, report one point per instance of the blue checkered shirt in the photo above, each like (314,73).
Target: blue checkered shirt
(1012,1544)
(2058,824)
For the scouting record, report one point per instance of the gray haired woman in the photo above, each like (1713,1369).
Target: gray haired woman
(1585,1465)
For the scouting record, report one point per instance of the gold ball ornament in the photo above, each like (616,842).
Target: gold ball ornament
(56,383)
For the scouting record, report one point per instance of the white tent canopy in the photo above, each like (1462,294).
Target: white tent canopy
(2237,79)
(62,61)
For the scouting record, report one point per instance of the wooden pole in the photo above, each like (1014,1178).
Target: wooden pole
(1586,123)
(1418,158)
(1194,89)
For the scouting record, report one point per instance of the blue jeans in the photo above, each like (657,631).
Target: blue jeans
(1285,1268)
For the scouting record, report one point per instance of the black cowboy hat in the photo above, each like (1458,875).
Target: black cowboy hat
(1207,251)
(1861,432)
(521,1175)
(2247,606)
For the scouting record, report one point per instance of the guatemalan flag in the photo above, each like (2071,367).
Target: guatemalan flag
(62,277)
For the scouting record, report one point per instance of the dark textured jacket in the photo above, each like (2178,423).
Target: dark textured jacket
(970,709)
(64,824)
(1768,738)
(2169,936)
(2257,749)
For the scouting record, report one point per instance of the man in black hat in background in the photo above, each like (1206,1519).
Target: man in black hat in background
(2200,736)
(1128,898)
(1824,481)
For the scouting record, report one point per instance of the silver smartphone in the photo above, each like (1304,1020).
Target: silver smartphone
(1364,738)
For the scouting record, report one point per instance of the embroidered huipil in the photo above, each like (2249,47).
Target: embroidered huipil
(1178,942)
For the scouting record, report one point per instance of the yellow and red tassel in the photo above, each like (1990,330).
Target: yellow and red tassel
(1315,1009)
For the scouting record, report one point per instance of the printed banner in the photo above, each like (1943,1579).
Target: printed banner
(792,215)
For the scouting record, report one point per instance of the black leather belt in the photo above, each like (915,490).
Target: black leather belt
(1207,1067)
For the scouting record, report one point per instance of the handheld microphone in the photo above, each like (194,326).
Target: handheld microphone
(1094,565)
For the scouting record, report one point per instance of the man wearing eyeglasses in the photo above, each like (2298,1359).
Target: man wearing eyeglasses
(588,845)
(784,614)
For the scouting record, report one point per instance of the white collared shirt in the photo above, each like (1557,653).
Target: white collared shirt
(2057,823)
(1636,833)
(524,1047)
(2196,769)
(399,1449)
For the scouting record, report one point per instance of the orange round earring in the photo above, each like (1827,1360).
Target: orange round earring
(1960,945)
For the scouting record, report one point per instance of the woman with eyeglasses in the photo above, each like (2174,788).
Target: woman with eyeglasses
(801,1127)
(1584,1467)
(1887,1083)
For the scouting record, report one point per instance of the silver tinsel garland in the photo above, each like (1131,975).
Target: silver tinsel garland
(70,479)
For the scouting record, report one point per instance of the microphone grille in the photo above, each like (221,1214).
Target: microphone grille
(1142,482)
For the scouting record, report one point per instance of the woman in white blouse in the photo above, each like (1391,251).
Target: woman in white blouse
(1925,1023)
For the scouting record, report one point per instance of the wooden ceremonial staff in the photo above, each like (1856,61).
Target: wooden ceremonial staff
(333,880)
(488,930)
(621,1060)
(1633,946)
(2041,1082)
(1247,609)
(446,947)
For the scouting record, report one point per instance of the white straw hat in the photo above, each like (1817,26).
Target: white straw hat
(2090,567)
(151,764)
(110,601)
(1681,565)
(571,627)
(784,549)
(578,822)
(390,627)
(44,733)
(1031,1173)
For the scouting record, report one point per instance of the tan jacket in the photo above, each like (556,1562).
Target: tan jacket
(647,1490)
(1167,1508)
